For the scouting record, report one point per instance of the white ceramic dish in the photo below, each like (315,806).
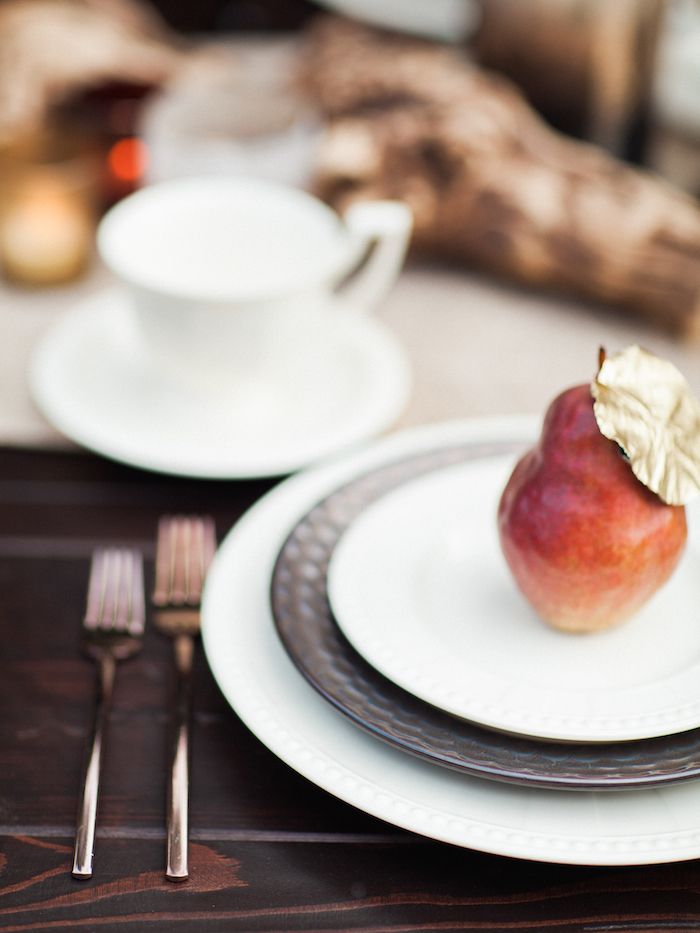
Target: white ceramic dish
(346,382)
(217,267)
(274,700)
(446,20)
(420,588)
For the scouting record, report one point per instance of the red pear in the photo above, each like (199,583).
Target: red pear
(588,544)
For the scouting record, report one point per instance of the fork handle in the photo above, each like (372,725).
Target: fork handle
(178,788)
(87,807)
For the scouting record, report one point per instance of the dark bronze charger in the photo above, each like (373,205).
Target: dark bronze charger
(315,643)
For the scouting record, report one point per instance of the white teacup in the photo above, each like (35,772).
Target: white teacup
(217,267)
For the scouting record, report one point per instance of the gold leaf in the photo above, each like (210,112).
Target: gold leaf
(644,404)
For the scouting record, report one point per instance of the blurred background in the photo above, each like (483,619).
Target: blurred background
(547,146)
(98,97)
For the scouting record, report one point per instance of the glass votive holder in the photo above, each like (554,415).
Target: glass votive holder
(238,113)
(47,216)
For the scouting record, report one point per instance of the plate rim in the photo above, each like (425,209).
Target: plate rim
(407,793)
(392,660)
(347,681)
(60,411)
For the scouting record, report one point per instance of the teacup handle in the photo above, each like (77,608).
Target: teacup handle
(382,230)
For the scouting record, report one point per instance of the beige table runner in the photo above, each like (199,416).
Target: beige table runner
(476,347)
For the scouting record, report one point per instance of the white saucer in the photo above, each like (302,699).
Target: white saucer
(420,588)
(285,712)
(92,381)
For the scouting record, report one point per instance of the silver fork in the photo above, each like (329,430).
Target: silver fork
(112,631)
(185,548)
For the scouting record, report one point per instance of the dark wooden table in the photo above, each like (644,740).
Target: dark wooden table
(269,850)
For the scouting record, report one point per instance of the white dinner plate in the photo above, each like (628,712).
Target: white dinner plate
(419,586)
(284,711)
(347,381)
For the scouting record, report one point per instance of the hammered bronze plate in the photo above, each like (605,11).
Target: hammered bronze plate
(326,659)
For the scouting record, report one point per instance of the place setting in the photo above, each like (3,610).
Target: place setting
(455,628)
(350,435)
(387,650)
(238,341)
(431,626)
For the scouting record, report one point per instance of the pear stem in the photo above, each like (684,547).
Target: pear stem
(602,355)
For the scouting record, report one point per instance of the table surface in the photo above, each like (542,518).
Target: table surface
(269,850)
(476,346)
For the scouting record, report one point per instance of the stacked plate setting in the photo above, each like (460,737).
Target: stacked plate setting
(445,706)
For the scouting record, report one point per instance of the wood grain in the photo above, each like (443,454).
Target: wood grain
(270,851)
(490,184)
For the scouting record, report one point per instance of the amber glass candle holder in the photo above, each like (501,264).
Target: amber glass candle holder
(47,210)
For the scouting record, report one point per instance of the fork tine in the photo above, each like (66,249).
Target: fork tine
(122,602)
(113,615)
(137,618)
(108,616)
(102,601)
(180,561)
(129,612)
(164,561)
(208,542)
(202,545)
(194,577)
(171,571)
(115,600)
(95,597)
(185,548)
(198,562)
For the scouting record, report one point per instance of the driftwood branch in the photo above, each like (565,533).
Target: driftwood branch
(490,183)
(50,49)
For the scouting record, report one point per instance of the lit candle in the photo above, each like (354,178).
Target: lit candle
(45,231)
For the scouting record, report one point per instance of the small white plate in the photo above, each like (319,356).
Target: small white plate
(420,588)
(274,700)
(347,381)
